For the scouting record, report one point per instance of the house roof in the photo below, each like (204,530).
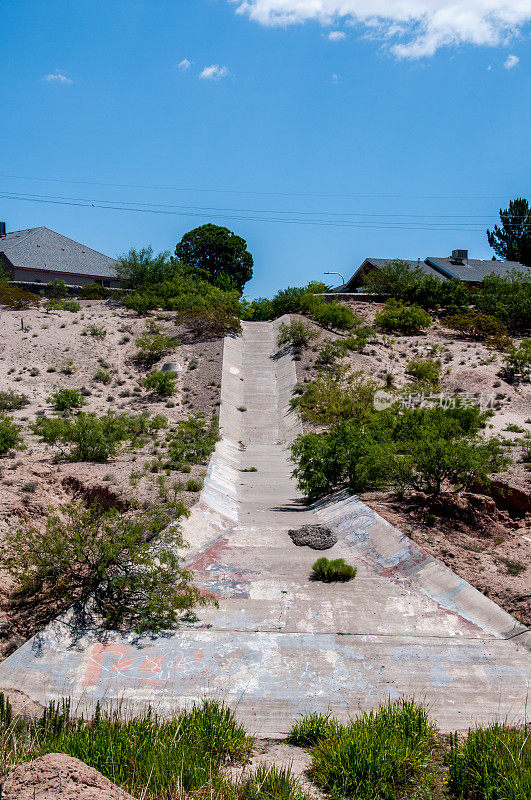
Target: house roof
(381,262)
(42,248)
(474,269)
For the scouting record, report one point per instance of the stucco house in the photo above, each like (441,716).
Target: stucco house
(40,255)
(469,270)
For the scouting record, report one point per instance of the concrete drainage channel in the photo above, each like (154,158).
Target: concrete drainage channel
(280,645)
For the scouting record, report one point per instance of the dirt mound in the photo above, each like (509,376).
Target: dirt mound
(22,705)
(315,536)
(57,775)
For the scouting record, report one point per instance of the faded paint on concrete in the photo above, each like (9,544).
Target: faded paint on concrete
(280,644)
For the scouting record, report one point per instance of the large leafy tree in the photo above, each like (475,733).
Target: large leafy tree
(512,241)
(219,252)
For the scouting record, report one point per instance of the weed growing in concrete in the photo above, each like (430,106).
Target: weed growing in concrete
(331,571)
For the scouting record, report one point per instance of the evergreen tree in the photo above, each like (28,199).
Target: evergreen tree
(512,241)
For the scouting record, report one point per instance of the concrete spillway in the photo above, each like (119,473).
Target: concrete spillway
(279,644)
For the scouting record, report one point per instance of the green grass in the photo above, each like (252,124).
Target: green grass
(335,570)
(379,756)
(492,763)
(307,731)
(269,782)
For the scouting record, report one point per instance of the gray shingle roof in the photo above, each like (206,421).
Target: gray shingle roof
(42,248)
(474,269)
(381,262)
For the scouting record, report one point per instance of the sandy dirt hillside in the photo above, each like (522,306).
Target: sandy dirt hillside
(486,536)
(41,352)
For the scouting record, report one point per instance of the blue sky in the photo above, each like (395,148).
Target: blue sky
(400,135)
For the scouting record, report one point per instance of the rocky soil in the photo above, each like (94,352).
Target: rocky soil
(41,352)
(484,536)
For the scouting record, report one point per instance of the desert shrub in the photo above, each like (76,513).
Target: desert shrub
(102,376)
(258,310)
(57,288)
(334,397)
(68,367)
(331,314)
(420,449)
(404,318)
(62,305)
(295,333)
(335,570)
(161,383)
(330,352)
(210,323)
(85,437)
(517,362)
(499,341)
(307,731)
(153,343)
(10,438)
(475,324)
(396,279)
(16,298)
(106,561)
(192,442)
(94,330)
(383,754)
(359,337)
(12,401)
(93,291)
(271,782)
(66,399)
(193,485)
(427,371)
(506,297)
(295,299)
(492,763)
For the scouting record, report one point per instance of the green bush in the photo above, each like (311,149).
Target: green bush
(106,561)
(161,383)
(66,399)
(517,362)
(307,731)
(359,337)
(295,333)
(382,755)
(12,401)
(334,397)
(57,288)
(17,299)
(403,318)
(331,571)
(475,324)
(420,449)
(332,314)
(397,280)
(426,371)
(258,310)
(192,442)
(85,437)
(492,763)
(62,305)
(10,438)
(93,291)
(153,343)
(210,323)
(506,297)
(94,330)
(330,352)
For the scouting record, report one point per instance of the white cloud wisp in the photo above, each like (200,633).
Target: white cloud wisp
(214,73)
(57,77)
(185,64)
(511,61)
(410,28)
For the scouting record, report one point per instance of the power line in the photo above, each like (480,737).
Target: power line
(109,206)
(256,193)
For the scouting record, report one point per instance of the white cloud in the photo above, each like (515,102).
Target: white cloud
(511,61)
(185,64)
(57,76)
(336,36)
(410,28)
(335,77)
(214,73)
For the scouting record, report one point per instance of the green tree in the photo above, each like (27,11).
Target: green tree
(108,562)
(512,241)
(141,268)
(218,251)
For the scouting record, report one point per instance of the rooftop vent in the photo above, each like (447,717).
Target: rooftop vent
(459,256)
(2,229)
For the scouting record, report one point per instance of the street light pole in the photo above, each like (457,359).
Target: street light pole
(335,273)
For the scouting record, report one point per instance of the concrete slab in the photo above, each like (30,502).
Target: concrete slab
(280,644)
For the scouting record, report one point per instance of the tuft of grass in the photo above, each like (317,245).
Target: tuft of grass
(311,728)
(381,755)
(492,763)
(513,567)
(335,570)
(269,782)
